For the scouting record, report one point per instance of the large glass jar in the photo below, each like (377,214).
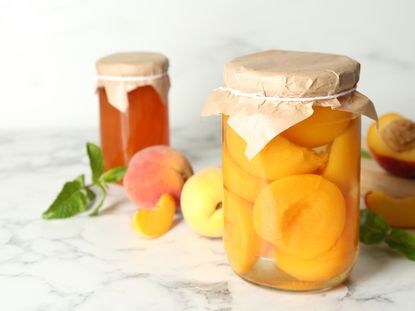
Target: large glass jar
(291,167)
(291,212)
(133,104)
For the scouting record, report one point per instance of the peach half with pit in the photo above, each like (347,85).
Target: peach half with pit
(392,144)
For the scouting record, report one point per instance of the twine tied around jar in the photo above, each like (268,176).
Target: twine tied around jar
(258,96)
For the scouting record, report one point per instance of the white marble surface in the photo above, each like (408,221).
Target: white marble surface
(99,264)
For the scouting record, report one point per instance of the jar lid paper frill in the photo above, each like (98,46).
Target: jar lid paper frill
(268,92)
(121,73)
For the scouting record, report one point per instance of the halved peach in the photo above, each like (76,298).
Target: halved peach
(335,261)
(393,144)
(153,223)
(343,166)
(239,181)
(241,241)
(302,215)
(320,129)
(279,158)
(397,212)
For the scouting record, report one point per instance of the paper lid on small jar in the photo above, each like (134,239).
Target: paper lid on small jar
(268,92)
(123,72)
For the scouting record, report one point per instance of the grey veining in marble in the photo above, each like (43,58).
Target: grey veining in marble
(88,263)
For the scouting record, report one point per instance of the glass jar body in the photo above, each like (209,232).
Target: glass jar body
(145,123)
(292,212)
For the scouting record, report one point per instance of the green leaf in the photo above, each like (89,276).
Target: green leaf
(373,228)
(81,180)
(403,242)
(95,212)
(365,154)
(114,175)
(96,161)
(90,194)
(70,201)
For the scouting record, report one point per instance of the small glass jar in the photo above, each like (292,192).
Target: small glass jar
(132,90)
(291,168)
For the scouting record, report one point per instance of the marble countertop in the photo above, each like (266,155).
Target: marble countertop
(88,263)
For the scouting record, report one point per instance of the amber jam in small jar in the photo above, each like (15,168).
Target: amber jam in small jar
(132,90)
(291,167)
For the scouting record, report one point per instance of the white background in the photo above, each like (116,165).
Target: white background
(48,49)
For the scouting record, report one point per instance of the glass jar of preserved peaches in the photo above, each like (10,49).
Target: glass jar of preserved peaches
(132,89)
(291,167)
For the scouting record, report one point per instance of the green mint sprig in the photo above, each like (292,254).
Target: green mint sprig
(374,230)
(76,196)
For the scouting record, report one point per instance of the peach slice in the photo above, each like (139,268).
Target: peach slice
(279,157)
(393,144)
(302,215)
(241,241)
(237,180)
(396,212)
(343,166)
(155,222)
(154,171)
(337,260)
(320,129)
(201,201)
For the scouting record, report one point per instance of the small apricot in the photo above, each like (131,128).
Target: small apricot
(320,129)
(201,200)
(153,223)
(279,158)
(302,215)
(241,241)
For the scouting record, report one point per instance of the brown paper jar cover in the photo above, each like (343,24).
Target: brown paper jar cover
(262,88)
(123,72)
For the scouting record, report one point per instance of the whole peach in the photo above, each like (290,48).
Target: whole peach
(155,171)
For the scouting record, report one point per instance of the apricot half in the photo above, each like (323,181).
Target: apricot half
(302,215)
(396,212)
(332,263)
(279,158)
(393,144)
(242,243)
(153,223)
(239,181)
(320,129)
(343,166)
